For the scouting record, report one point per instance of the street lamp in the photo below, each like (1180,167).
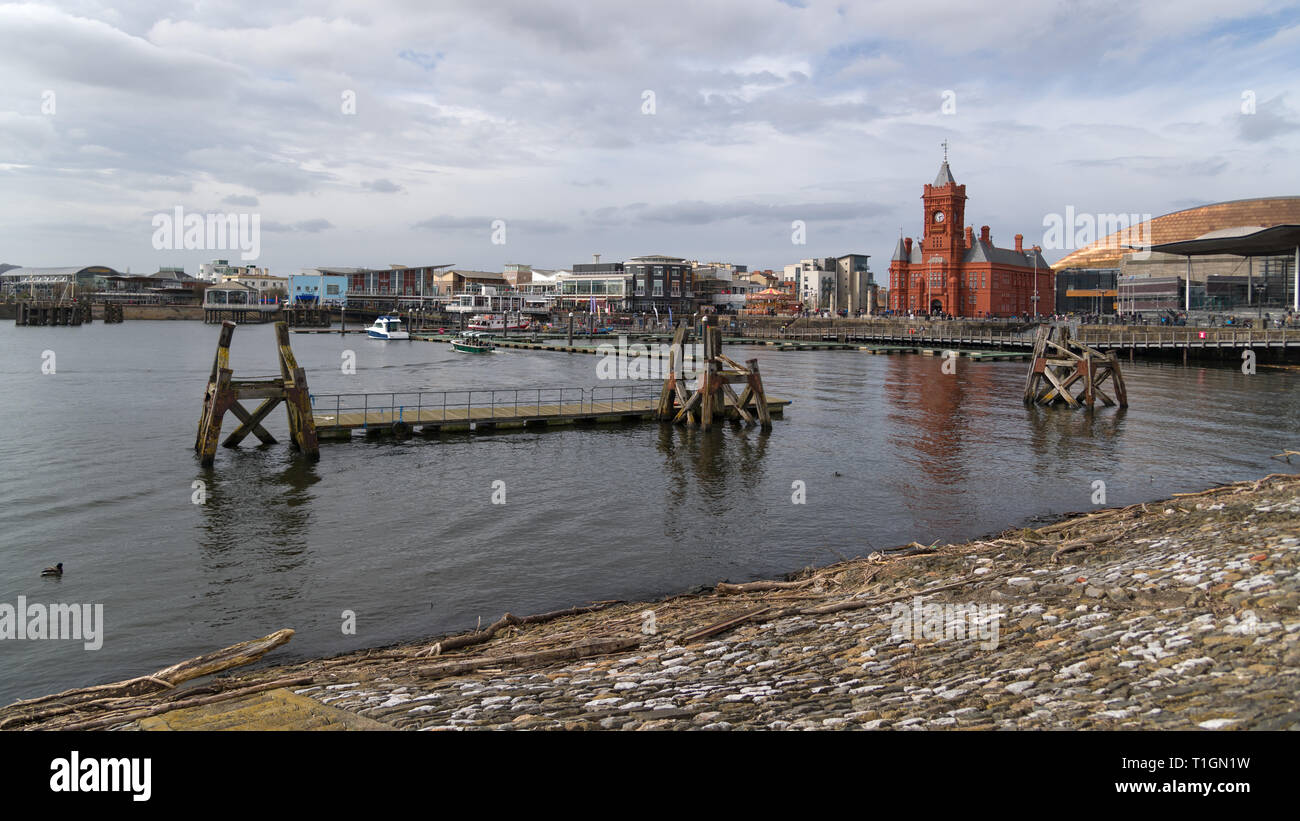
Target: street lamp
(1034,298)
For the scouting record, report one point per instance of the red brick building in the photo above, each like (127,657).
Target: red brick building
(951,271)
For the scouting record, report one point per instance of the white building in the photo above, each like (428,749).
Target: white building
(723,285)
(263,281)
(833,283)
(219,269)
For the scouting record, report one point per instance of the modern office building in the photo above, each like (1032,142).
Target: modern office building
(1219,282)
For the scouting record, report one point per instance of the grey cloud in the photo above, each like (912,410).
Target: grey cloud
(447,222)
(705,213)
(1272,118)
(382,186)
(312,226)
(240,199)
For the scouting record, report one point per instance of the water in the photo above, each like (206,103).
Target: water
(98,469)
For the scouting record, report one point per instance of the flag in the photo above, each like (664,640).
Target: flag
(656,309)
(670,316)
(592,308)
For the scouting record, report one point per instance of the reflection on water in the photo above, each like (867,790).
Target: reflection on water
(889,448)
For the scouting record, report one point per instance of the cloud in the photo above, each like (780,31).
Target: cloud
(382,186)
(707,213)
(1271,119)
(448,222)
(312,226)
(765,113)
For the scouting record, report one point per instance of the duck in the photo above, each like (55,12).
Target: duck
(57,570)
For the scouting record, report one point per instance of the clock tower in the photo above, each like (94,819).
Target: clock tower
(954,272)
(943,244)
(945,217)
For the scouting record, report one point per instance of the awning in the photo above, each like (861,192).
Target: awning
(1277,240)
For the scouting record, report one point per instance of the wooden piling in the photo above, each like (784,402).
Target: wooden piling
(710,399)
(1058,365)
(223,394)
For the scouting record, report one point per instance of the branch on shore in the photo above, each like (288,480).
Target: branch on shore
(598,647)
(858,604)
(722,626)
(725,588)
(111,695)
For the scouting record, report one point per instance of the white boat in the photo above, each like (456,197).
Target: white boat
(498,322)
(387,327)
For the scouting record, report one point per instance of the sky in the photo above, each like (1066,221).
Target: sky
(483,133)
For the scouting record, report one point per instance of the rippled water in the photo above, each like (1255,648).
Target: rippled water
(98,469)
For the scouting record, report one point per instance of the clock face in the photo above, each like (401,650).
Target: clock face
(938,216)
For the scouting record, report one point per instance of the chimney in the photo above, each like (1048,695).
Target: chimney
(1020,243)
(907,247)
(595,258)
(984,235)
(970,237)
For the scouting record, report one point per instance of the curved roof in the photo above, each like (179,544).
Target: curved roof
(1275,240)
(1188,224)
(56,274)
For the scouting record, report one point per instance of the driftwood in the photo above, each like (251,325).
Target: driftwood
(508,620)
(236,655)
(726,588)
(722,626)
(136,715)
(857,604)
(598,647)
(1076,544)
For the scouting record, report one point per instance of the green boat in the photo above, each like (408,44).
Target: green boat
(469,344)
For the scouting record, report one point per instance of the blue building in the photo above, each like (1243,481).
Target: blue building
(316,287)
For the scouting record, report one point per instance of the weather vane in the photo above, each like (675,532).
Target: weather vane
(945,150)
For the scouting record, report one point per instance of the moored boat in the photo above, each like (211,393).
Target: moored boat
(387,327)
(498,322)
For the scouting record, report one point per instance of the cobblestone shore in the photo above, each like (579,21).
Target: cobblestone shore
(1177,614)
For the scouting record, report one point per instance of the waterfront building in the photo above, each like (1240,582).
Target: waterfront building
(50,283)
(604,285)
(1146,280)
(231,293)
(1087,291)
(408,285)
(270,287)
(318,288)
(660,283)
(814,281)
(169,286)
(835,284)
(853,284)
(951,271)
(219,269)
(517,274)
(721,286)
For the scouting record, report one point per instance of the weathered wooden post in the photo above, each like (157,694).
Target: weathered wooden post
(1057,365)
(224,392)
(719,373)
(672,388)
